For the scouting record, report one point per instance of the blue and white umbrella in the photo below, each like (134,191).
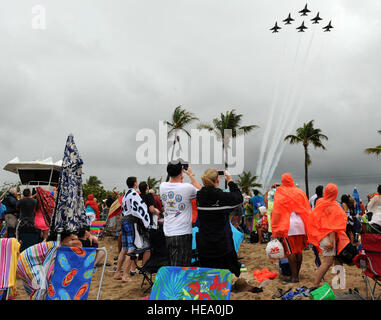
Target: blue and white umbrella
(69,212)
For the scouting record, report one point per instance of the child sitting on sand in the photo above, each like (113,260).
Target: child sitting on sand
(262,224)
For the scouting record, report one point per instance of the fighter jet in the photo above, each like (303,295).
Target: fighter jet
(301,28)
(275,28)
(304,11)
(328,27)
(316,19)
(288,19)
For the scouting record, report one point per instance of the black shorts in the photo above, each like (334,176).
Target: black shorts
(180,250)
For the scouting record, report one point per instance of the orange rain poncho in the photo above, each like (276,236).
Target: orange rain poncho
(288,199)
(328,216)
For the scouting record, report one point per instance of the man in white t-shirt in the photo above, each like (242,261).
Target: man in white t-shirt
(176,197)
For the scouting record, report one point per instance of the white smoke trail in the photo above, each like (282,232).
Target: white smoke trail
(294,118)
(284,111)
(271,115)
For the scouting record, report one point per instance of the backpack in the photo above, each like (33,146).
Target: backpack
(347,254)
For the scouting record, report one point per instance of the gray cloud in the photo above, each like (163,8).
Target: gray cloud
(105,70)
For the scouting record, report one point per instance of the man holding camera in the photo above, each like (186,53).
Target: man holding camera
(176,197)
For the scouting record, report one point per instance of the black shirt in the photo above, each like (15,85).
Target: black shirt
(149,201)
(27,207)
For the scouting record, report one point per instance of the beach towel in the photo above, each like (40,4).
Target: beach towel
(35,267)
(327,217)
(45,205)
(133,205)
(116,208)
(191,283)
(356,197)
(97,227)
(288,199)
(73,271)
(237,238)
(9,254)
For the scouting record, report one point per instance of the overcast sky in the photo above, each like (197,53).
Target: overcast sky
(103,70)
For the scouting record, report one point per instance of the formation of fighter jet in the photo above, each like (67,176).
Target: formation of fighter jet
(302,27)
(288,19)
(275,28)
(316,19)
(328,27)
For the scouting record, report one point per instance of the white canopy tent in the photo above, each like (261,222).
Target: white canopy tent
(37,172)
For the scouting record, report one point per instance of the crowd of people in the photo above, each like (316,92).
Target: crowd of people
(283,212)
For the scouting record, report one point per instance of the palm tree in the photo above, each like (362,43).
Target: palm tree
(375,150)
(180,119)
(228,121)
(152,182)
(307,135)
(246,182)
(93,181)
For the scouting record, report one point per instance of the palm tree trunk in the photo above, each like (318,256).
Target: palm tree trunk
(306,170)
(173,151)
(226,163)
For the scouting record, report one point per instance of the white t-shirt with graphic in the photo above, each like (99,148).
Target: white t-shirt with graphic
(176,198)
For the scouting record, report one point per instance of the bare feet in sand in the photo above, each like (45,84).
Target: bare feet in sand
(117,276)
(126,279)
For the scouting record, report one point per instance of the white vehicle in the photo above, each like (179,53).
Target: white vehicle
(38,173)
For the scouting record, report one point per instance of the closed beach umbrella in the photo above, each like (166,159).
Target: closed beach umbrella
(69,211)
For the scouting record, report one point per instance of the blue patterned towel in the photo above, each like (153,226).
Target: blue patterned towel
(191,283)
(73,270)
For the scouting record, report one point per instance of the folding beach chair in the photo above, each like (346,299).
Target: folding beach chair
(97,228)
(369,260)
(9,253)
(72,274)
(191,283)
(35,267)
(158,258)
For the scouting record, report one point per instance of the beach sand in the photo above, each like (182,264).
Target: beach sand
(254,257)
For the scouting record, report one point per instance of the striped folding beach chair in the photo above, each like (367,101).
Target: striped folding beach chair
(35,267)
(9,254)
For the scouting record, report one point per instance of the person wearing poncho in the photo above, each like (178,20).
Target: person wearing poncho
(326,229)
(92,207)
(289,221)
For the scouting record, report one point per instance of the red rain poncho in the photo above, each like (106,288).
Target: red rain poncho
(93,204)
(328,216)
(288,199)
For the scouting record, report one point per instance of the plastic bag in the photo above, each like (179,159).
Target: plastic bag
(323,293)
(275,250)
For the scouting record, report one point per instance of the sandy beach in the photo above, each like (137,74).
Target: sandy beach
(254,257)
